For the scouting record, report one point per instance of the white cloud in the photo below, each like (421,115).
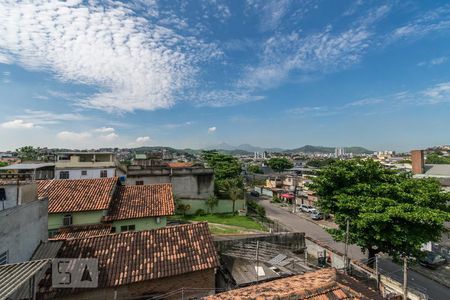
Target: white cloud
(135,63)
(438,93)
(222,98)
(73,136)
(18,124)
(110,137)
(42,117)
(105,129)
(212,129)
(178,125)
(366,101)
(433,62)
(142,139)
(431,21)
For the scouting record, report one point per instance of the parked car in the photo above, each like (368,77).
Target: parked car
(306,208)
(432,260)
(254,193)
(316,215)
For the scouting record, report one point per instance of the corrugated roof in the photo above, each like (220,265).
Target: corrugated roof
(140,201)
(82,231)
(47,250)
(72,195)
(13,276)
(27,166)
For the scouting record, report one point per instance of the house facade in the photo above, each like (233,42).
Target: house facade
(85,165)
(106,201)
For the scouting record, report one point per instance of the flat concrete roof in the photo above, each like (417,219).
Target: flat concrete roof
(27,166)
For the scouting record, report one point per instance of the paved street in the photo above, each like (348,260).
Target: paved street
(296,223)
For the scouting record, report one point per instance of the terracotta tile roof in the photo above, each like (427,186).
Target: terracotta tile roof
(140,201)
(318,285)
(175,165)
(71,195)
(145,255)
(82,231)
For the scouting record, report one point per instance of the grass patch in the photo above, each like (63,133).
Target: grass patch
(226,219)
(221,230)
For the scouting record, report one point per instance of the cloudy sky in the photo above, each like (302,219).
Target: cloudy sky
(282,73)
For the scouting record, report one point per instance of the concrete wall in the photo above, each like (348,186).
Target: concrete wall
(315,248)
(16,196)
(55,221)
(91,173)
(224,206)
(141,223)
(203,281)
(22,228)
(295,241)
(188,186)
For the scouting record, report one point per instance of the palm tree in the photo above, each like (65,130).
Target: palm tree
(232,189)
(211,202)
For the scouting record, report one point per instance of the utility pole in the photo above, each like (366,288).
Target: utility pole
(405,278)
(347,229)
(257,261)
(377,272)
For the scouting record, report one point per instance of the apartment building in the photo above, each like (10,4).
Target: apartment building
(85,165)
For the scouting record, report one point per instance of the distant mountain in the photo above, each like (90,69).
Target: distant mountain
(242,147)
(247,148)
(325,150)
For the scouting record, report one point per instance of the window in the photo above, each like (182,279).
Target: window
(103,173)
(67,221)
(127,228)
(64,175)
(52,233)
(113,229)
(83,173)
(2,194)
(139,182)
(4,258)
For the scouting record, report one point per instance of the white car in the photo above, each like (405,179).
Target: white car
(306,208)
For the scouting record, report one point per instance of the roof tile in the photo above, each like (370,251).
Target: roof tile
(140,201)
(72,195)
(143,255)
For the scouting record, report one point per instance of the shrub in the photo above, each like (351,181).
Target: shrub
(200,212)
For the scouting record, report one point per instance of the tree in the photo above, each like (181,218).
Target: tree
(434,158)
(183,208)
(320,163)
(387,211)
(211,202)
(279,164)
(28,153)
(255,169)
(233,189)
(226,167)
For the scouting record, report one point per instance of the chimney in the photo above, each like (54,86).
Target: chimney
(418,162)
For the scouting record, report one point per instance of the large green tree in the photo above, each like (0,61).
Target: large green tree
(255,169)
(388,212)
(28,153)
(279,164)
(226,168)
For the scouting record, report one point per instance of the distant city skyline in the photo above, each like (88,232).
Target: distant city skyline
(192,74)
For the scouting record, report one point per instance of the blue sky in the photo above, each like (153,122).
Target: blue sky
(82,74)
